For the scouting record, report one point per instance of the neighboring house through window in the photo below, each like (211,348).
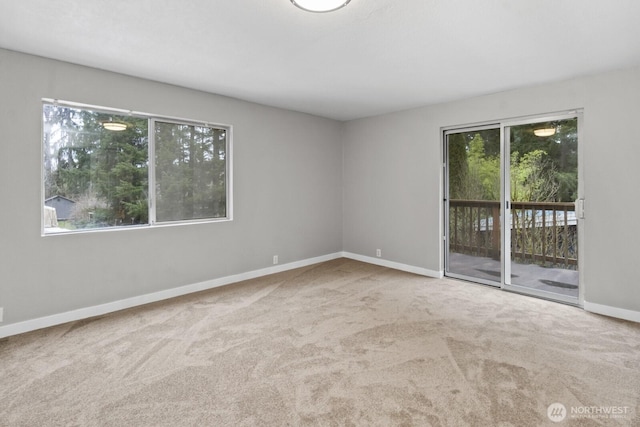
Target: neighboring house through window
(107,168)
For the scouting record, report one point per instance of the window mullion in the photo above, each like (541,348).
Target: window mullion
(152,172)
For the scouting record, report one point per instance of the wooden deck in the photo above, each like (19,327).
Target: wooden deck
(555,280)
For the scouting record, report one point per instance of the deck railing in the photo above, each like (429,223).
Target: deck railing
(542,233)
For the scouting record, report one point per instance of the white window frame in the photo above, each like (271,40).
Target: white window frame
(151,119)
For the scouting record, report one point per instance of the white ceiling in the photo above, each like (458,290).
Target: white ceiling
(369,58)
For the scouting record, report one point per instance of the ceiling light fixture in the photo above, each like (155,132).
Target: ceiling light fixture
(544,132)
(320,5)
(114,126)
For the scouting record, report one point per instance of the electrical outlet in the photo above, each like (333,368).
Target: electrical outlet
(275,259)
(378,253)
(1,314)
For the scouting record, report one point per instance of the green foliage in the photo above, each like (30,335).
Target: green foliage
(474,174)
(457,162)
(542,169)
(533,177)
(105,172)
(484,171)
(190,172)
(547,166)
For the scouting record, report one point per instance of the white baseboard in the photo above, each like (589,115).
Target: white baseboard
(99,310)
(395,265)
(606,310)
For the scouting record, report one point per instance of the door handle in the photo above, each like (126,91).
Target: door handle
(579,208)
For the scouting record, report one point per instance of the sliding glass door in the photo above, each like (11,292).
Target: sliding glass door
(473,204)
(515,185)
(542,190)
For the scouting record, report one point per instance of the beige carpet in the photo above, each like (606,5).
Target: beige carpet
(340,343)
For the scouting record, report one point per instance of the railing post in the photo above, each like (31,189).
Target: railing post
(472,234)
(555,236)
(566,238)
(495,232)
(543,235)
(455,229)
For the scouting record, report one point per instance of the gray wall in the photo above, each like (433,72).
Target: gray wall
(303,187)
(392,177)
(287,195)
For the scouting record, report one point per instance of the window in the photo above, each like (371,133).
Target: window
(190,166)
(107,168)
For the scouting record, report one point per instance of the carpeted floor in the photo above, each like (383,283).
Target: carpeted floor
(339,343)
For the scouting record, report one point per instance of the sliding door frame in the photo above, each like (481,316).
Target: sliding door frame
(445,136)
(505,202)
(505,212)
